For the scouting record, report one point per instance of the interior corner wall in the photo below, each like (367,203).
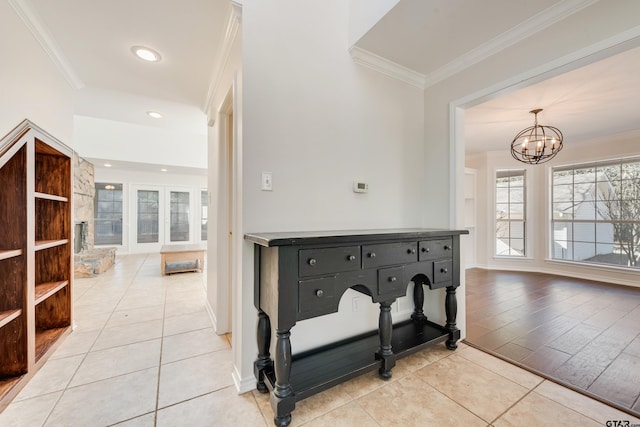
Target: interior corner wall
(31,86)
(317,121)
(364,14)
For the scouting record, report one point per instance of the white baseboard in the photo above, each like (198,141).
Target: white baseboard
(212,316)
(243,385)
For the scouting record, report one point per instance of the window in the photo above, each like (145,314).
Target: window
(148,216)
(204,215)
(596,213)
(108,214)
(510,213)
(179,209)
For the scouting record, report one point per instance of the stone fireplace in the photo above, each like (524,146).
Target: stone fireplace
(88,261)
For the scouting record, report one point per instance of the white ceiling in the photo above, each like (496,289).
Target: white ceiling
(588,103)
(92,42)
(427,35)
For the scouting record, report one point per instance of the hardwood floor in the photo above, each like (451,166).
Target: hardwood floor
(583,334)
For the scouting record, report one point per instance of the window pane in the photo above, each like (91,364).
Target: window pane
(563,210)
(562,231)
(516,211)
(148,216)
(609,193)
(502,229)
(502,211)
(561,250)
(108,214)
(583,251)
(502,195)
(517,247)
(510,206)
(517,195)
(179,225)
(517,229)
(204,214)
(604,232)
(584,231)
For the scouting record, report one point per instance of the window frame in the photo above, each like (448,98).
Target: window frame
(525,250)
(552,221)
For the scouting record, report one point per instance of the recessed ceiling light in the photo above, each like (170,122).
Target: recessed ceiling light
(107,165)
(154,114)
(163,170)
(146,53)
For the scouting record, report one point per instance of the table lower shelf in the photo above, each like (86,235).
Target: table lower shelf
(317,370)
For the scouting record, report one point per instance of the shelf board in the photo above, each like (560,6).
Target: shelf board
(46,244)
(6,384)
(8,315)
(51,197)
(45,290)
(6,254)
(317,370)
(45,338)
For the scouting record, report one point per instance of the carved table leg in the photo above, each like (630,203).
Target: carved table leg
(385,353)
(418,303)
(263,362)
(451,310)
(282,399)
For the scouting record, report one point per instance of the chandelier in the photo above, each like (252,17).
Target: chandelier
(536,144)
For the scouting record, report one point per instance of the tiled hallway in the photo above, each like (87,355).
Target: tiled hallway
(144,354)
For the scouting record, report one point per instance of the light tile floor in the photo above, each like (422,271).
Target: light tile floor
(144,354)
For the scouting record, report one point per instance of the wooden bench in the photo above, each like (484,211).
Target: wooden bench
(184,258)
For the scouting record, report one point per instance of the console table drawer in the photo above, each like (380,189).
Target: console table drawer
(434,249)
(442,271)
(391,281)
(314,262)
(389,254)
(316,297)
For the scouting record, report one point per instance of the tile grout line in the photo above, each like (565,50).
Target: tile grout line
(516,402)
(66,387)
(164,312)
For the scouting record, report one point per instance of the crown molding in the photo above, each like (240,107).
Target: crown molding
(233,25)
(387,67)
(525,29)
(42,35)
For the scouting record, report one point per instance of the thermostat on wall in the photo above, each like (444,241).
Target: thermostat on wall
(360,187)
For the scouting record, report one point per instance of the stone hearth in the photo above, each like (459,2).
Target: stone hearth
(94,261)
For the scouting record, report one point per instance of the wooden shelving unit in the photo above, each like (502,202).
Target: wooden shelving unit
(35,253)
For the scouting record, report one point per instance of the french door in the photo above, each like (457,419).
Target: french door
(161,216)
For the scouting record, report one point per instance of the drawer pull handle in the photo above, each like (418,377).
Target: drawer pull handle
(392,279)
(351,258)
(319,293)
(447,247)
(312,262)
(425,249)
(372,255)
(444,270)
(411,251)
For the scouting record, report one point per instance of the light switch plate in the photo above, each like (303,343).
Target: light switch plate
(267,181)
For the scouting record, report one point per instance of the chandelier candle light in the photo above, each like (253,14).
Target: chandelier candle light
(536,144)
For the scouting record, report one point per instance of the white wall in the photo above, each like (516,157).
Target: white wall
(317,121)
(108,139)
(31,86)
(131,179)
(538,209)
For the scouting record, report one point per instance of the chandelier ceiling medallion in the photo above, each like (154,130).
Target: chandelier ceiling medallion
(536,144)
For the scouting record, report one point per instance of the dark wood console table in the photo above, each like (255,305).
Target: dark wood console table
(303,275)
